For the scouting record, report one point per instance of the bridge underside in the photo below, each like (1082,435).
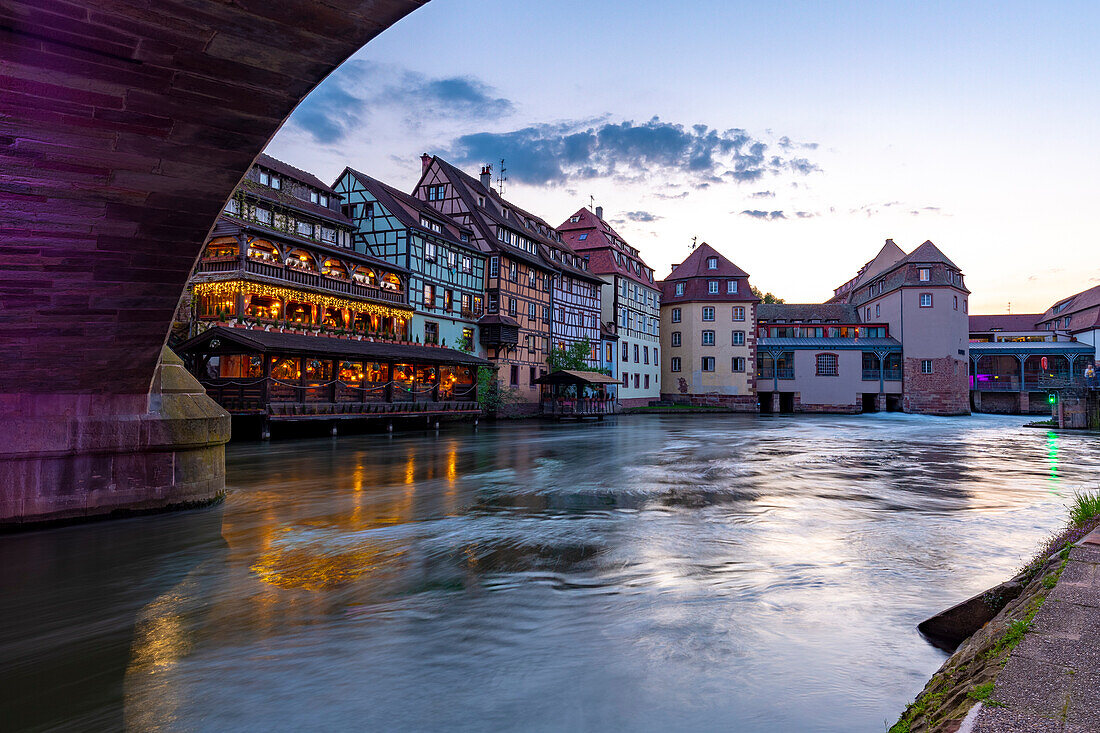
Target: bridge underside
(124,127)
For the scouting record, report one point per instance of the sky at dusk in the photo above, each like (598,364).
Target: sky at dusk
(794,137)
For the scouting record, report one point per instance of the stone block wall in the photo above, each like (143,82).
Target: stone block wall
(946,391)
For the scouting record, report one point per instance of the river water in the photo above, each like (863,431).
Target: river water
(648,573)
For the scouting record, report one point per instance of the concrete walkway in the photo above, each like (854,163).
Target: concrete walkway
(1052,679)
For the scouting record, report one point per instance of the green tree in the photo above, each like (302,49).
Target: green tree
(574,356)
(765,297)
(493,396)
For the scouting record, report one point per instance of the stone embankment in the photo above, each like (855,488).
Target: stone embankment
(1036,665)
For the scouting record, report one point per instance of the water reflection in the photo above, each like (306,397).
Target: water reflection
(651,573)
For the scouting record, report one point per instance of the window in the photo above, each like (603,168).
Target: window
(531,376)
(465,303)
(827,365)
(429,251)
(514,375)
(448,300)
(435,193)
(956,302)
(494,267)
(708,313)
(708,363)
(546,314)
(314,197)
(625,348)
(232,207)
(431,332)
(712,287)
(926,300)
(731,286)
(679,288)
(925,274)
(265,178)
(512,306)
(708,338)
(647,381)
(626,379)
(582,237)
(712,263)
(738,338)
(608,352)
(305,229)
(675,338)
(263,216)
(637,381)
(467,265)
(738,313)
(656,357)
(429,296)
(532,311)
(925,366)
(675,315)
(513,272)
(738,364)
(636,360)
(878,308)
(645,356)
(674,364)
(531,275)
(328,235)
(491,303)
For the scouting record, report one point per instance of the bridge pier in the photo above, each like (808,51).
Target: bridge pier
(72,457)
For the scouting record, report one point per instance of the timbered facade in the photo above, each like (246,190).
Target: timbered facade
(630,303)
(516,328)
(446,267)
(280,256)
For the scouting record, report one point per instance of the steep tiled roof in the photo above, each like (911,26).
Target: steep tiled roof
(607,252)
(290,201)
(1086,303)
(805,312)
(696,265)
(891,269)
(927,252)
(408,209)
(519,220)
(1004,322)
(290,171)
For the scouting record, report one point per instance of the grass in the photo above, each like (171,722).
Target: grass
(981,692)
(1085,507)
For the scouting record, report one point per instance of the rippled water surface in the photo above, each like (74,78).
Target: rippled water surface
(648,573)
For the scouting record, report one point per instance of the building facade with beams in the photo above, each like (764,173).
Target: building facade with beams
(707,333)
(922,298)
(630,302)
(446,268)
(280,256)
(524,255)
(1078,316)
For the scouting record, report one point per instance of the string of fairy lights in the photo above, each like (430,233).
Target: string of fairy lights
(226,292)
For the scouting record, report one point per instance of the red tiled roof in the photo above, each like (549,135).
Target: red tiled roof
(695,276)
(605,257)
(1005,322)
(1078,303)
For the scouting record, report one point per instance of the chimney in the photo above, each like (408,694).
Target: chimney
(599,212)
(425,161)
(486,176)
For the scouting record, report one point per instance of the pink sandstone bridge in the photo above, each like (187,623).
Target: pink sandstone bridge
(124,127)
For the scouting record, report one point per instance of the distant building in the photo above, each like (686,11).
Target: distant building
(630,303)
(1078,316)
(1008,327)
(823,358)
(708,338)
(922,298)
(446,269)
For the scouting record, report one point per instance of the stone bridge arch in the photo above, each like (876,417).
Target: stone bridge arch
(124,128)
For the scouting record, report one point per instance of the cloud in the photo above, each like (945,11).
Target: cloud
(763,215)
(672,196)
(762,195)
(806,214)
(553,153)
(341,104)
(925,210)
(642,216)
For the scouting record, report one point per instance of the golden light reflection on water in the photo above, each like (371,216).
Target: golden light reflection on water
(311,568)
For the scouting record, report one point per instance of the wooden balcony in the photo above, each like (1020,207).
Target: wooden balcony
(312,280)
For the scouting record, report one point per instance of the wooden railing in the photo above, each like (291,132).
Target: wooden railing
(300,277)
(249,395)
(1009,383)
(579,407)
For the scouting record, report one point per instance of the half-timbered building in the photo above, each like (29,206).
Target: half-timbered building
(630,303)
(446,268)
(516,328)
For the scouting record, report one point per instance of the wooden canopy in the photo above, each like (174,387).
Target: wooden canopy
(570,376)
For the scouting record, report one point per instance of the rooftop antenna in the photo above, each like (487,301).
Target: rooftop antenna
(1010,306)
(693,239)
(591,202)
(501,177)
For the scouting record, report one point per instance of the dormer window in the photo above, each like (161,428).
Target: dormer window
(731,287)
(679,288)
(712,287)
(481,201)
(712,263)
(925,274)
(582,237)
(574,219)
